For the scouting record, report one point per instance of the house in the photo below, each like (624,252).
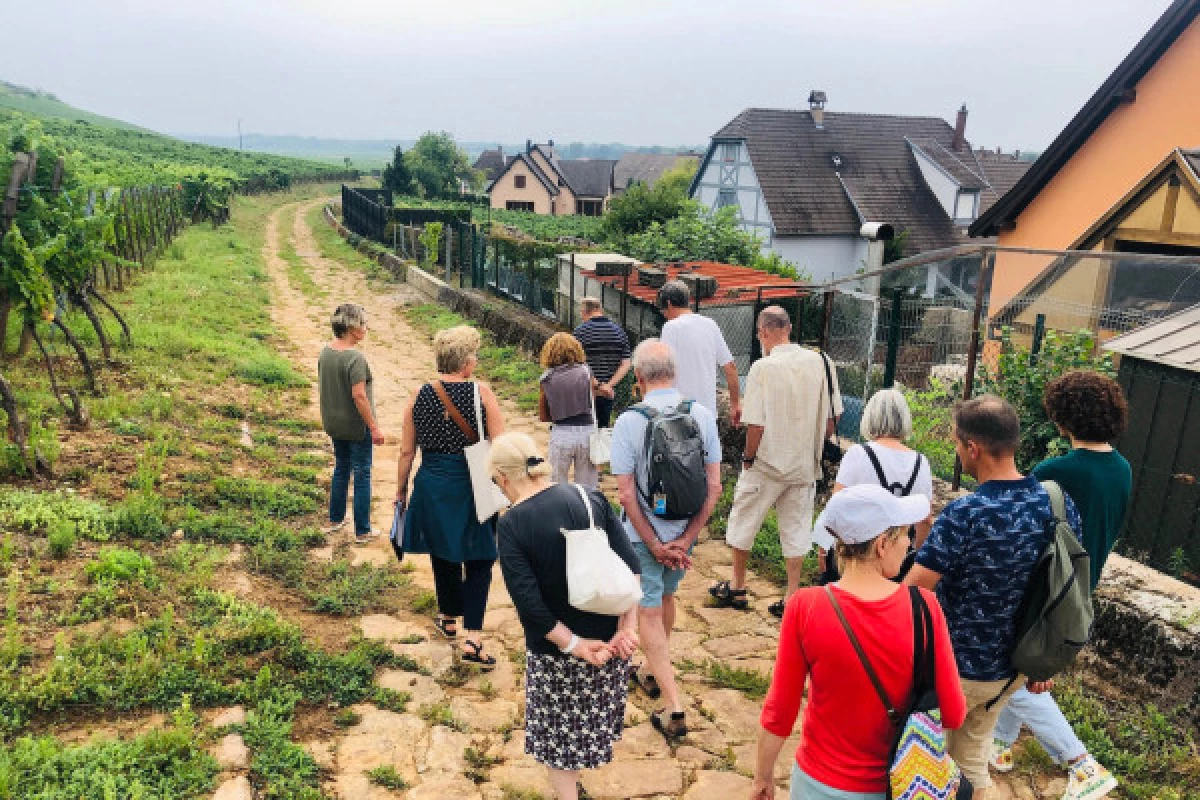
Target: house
(537,180)
(647,168)
(818,186)
(1120,178)
(490,163)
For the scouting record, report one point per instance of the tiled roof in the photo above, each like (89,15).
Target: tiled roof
(802,170)
(588,177)
(645,167)
(1193,159)
(1001,173)
(959,164)
(491,163)
(733,283)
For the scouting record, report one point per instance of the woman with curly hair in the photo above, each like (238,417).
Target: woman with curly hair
(1090,410)
(565,400)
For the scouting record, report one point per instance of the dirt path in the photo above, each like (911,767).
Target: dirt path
(487,710)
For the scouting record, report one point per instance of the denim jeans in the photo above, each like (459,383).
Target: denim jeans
(1039,713)
(350,456)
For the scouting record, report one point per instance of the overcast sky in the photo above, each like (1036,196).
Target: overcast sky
(634,71)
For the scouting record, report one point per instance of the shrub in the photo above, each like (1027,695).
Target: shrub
(36,511)
(1021,379)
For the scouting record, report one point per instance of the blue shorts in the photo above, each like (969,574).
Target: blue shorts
(657,580)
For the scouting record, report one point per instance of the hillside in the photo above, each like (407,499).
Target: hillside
(45,104)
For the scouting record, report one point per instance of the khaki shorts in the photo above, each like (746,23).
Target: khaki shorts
(755,495)
(970,746)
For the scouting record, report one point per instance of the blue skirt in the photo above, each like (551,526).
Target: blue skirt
(441,513)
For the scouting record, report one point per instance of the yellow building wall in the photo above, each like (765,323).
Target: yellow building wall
(1124,149)
(1187,213)
(534,192)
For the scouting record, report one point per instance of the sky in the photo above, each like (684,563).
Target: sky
(640,72)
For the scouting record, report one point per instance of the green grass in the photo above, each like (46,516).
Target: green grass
(297,270)
(387,777)
(440,714)
(749,682)
(512,374)
(333,246)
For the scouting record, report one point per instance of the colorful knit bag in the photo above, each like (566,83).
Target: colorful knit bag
(920,768)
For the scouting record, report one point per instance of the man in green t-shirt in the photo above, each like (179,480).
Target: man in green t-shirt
(1090,410)
(344,383)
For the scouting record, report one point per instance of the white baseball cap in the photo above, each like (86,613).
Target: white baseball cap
(860,513)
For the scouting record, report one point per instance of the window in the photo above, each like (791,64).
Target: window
(518,205)
(591,208)
(726,197)
(729,151)
(519,181)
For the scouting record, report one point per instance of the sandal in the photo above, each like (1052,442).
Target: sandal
(728,597)
(645,681)
(486,663)
(671,729)
(777,608)
(447,626)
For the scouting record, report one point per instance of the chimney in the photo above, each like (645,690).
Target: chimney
(529,145)
(816,107)
(960,130)
(550,148)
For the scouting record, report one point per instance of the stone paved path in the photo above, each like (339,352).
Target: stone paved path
(714,760)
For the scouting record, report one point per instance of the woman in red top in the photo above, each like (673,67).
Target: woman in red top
(847,737)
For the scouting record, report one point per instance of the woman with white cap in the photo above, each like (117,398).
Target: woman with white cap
(847,735)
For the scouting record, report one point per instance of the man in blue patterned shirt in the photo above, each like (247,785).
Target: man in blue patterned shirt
(979,557)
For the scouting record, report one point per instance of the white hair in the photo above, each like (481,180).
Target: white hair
(654,361)
(886,415)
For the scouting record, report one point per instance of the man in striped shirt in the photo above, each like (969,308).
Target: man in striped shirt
(607,349)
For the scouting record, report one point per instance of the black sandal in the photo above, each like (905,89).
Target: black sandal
(486,664)
(777,608)
(728,597)
(671,729)
(645,681)
(444,626)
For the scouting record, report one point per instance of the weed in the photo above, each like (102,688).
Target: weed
(725,762)
(307,459)
(425,602)
(412,638)
(280,768)
(344,589)
(270,370)
(34,511)
(440,714)
(61,539)
(516,793)
(141,516)
(487,690)
(479,763)
(347,718)
(458,674)
(387,777)
(272,499)
(749,682)
(390,699)
(121,565)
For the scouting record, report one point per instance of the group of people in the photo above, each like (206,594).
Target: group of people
(883,553)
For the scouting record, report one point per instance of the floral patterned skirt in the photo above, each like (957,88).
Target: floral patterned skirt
(573,711)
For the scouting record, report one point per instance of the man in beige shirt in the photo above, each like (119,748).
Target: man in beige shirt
(787,415)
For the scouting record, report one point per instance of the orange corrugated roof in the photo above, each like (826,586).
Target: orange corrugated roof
(734,282)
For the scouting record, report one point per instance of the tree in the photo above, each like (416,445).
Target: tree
(439,167)
(396,176)
(641,206)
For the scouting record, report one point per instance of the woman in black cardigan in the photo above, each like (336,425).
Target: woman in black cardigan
(577,665)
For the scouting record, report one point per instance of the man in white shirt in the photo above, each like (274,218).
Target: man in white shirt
(699,349)
(788,418)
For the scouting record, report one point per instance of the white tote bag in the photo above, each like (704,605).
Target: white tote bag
(598,580)
(600,442)
(489,500)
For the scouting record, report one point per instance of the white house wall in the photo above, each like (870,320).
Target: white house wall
(942,185)
(825,258)
(738,176)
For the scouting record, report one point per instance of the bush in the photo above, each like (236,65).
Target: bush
(1021,379)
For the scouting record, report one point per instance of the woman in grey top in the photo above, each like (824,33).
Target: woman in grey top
(565,400)
(348,415)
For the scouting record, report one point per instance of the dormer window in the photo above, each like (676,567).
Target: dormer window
(966,206)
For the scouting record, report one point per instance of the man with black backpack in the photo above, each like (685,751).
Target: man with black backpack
(994,556)
(666,456)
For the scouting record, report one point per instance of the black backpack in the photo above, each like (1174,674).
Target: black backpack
(677,484)
(898,489)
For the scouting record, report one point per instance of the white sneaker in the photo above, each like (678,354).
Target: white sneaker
(1002,756)
(333,527)
(1089,780)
